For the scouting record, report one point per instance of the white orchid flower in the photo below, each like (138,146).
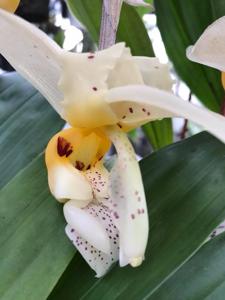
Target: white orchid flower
(101,95)
(210,47)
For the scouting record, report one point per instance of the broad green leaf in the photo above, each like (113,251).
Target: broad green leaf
(133,32)
(181,23)
(202,277)
(145,10)
(34,249)
(185,189)
(27,122)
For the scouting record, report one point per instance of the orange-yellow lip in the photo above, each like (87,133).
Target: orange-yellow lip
(9,5)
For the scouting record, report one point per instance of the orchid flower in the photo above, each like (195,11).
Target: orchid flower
(101,95)
(210,47)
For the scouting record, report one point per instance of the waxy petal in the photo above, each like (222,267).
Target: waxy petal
(98,177)
(210,47)
(154,73)
(128,201)
(33,54)
(97,260)
(144,104)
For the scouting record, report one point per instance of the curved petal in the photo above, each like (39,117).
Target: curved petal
(142,104)
(93,233)
(154,73)
(128,201)
(98,176)
(65,180)
(33,54)
(210,47)
(9,5)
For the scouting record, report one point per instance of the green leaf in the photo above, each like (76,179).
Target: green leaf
(133,32)
(159,133)
(181,23)
(218,8)
(202,277)
(34,249)
(145,10)
(27,122)
(184,185)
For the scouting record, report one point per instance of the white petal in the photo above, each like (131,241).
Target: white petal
(128,201)
(210,47)
(98,260)
(87,225)
(154,73)
(137,2)
(98,177)
(66,182)
(160,104)
(33,54)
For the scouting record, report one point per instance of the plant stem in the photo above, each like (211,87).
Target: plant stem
(109,22)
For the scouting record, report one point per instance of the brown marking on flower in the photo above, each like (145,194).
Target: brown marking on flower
(79,165)
(94,88)
(131,110)
(64,148)
(119,125)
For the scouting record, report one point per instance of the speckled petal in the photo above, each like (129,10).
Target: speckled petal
(98,176)
(210,47)
(33,54)
(86,242)
(128,201)
(142,104)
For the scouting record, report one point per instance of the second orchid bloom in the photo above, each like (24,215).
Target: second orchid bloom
(101,95)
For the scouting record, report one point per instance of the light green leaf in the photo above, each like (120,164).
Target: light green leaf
(185,189)
(181,23)
(27,122)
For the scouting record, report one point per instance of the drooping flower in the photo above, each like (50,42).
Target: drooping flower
(101,95)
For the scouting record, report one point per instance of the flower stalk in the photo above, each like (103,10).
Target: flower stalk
(109,22)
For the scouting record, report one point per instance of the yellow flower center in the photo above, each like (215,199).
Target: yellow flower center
(80,147)
(9,5)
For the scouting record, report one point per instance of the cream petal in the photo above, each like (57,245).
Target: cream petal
(94,234)
(98,176)
(128,201)
(97,260)
(33,54)
(210,47)
(154,73)
(142,104)
(66,182)
(137,2)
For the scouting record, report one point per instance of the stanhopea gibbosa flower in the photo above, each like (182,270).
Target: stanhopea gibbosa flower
(101,95)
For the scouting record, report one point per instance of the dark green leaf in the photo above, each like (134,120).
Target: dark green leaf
(27,122)
(133,32)
(185,189)
(202,277)
(181,23)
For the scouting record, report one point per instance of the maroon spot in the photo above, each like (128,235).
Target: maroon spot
(94,88)
(64,148)
(119,125)
(131,110)
(136,193)
(148,113)
(79,165)
(116,215)
(123,117)
(91,56)
(143,109)
(142,211)
(88,167)
(139,199)
(72,230)
(132,216)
